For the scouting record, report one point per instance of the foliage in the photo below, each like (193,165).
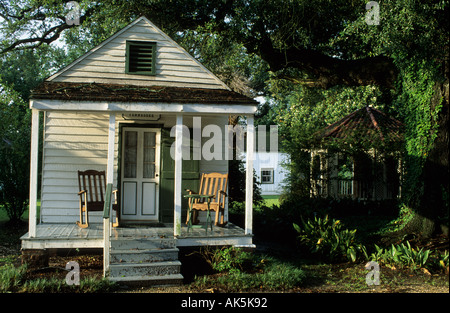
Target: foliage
(57,285)
(301,112)
(21,71)
(14,153)
(285,50)
(418,81)
(442,261)
(404,256)
(11,277)
(406,214)
(328,238)
(268,273)
(228,259)
(401,254)
(236,185)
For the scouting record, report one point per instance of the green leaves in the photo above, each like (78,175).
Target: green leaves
(402,255)
(328,238)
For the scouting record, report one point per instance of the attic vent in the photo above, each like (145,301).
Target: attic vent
(140,57)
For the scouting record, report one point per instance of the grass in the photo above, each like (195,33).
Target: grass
(271,200)
(267,274)
(14,279)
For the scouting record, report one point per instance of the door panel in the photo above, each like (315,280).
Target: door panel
(129,192)
(140,175)
(149,199)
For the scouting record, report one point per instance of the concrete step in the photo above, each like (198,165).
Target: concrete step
(143,256)
(144,269)
(142,244)
(144,280)
(145,261)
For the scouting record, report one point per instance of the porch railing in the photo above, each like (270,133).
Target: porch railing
(106,229)
(358,189)
(345,187)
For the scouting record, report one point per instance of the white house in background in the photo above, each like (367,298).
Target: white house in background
(270,171)
(113,110)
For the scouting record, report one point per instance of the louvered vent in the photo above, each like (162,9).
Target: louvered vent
(141,57)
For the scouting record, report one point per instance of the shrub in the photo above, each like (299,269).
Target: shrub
(328,238)
(228,259)
(403,255)
(272,276)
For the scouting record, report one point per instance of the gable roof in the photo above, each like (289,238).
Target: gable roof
(364,125)
(106,63)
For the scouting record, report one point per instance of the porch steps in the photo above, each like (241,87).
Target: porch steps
(145,261)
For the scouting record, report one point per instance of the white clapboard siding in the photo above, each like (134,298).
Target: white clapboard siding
(274,161)
(72,142)
(75,141)
(106,63)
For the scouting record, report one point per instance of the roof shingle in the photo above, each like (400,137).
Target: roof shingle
(365,125)
(132,93)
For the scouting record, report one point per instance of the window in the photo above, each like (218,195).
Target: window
(267,176)
(140,57)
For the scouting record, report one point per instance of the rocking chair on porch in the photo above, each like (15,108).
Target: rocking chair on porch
(214,184)
(92,186)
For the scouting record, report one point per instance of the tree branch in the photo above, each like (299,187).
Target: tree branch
(328,71)
(47,37)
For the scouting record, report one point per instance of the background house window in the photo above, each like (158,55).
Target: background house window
(267,176)
(140,57)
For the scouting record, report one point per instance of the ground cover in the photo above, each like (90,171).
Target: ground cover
(274,267)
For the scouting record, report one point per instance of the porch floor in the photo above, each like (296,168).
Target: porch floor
(71,236)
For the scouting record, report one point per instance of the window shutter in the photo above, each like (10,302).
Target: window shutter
(140,57)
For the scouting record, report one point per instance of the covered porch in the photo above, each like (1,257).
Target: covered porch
(70,236)
(110,123)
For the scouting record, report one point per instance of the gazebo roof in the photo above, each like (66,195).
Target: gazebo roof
(364,125)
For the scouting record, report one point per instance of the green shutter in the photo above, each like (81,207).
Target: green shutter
(190,175)
(140,57)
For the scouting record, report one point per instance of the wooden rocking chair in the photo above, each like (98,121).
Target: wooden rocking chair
(92,186)
(214,184)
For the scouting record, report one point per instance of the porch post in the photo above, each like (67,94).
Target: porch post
(111,139)
(249,175)
(109,180)
(178,173)
(32,214)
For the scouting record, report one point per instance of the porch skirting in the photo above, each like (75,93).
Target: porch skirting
(54,236)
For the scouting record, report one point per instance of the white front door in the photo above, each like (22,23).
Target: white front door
(140,174)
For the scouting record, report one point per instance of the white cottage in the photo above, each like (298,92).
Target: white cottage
(125,108)
(270,171)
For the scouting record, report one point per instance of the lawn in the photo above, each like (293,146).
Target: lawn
(271,200)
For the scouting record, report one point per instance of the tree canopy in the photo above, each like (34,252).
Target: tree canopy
(314,61)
